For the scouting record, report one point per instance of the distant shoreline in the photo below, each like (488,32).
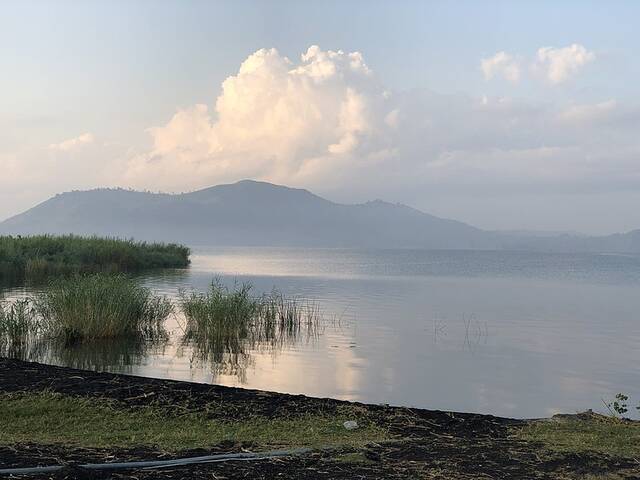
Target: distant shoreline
(41,256)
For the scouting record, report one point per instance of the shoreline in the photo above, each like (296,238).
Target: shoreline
(417,443)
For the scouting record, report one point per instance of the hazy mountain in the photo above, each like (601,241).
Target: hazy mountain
(258,213)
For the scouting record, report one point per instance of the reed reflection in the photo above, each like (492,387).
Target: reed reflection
(225,326)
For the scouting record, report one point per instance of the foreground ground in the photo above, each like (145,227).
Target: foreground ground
(52,415)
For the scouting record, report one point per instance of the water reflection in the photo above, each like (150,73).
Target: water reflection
(222,355)
(226,352)
(507,333)
(126,354)
(226,328)
(30,350)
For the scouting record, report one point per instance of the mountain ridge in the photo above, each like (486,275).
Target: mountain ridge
(251,212)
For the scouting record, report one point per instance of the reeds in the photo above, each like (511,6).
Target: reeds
(38,256)
(223,324)
(19,327)
(220,310)
(100,306)
(282,318)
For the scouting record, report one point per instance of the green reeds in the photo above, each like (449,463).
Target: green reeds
(19,327)
(224,324)
(220,310)
(38,256)
(100,306)
(283,318)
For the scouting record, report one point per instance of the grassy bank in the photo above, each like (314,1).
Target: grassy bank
(585,433)
(52,415)
(51,418)
(38,256)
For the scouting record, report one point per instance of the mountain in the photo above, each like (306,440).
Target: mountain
(258,213)
(244,213)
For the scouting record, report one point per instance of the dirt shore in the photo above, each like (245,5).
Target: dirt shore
(427,444)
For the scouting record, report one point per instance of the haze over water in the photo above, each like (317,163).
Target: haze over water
(508,333)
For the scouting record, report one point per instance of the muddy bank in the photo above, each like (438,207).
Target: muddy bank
(426,444)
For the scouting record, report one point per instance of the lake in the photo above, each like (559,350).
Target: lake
(507,333)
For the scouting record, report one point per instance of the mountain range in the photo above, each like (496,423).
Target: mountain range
(251,213)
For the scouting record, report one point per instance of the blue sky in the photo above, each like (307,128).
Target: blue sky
(115,69)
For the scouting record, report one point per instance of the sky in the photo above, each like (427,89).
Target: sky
(505,115)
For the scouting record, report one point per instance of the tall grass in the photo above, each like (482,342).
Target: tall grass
(224,324)
(19,327)
(284,318)
(219,310)
(42,255)
(100,306)
(81,313)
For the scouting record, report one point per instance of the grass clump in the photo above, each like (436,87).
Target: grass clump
(18,326)
(54,418)
(42,255)
(596,433)
(221,310)
(100,306)
(224,324)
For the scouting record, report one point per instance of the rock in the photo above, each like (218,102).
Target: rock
(350,425)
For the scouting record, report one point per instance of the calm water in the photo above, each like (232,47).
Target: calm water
(512,334)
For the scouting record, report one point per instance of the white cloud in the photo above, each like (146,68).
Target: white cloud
(501,64)
(73,143)
(276,120)
(558,64)
(554,65)
(326,120)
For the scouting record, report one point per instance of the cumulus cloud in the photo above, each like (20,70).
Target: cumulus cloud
(73,143)
(554,65)
(501,64)
(325,120)
(558,64)
(275,119)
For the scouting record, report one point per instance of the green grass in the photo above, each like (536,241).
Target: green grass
(100,306)
(18,326)
(598,434)
(224,323)
(220,310)
(53,418)
(34,257)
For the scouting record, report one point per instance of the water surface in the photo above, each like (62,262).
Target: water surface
(507,333)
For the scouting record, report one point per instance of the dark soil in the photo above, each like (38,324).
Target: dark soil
(430,444)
